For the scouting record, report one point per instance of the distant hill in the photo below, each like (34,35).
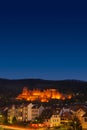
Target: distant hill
(15,86)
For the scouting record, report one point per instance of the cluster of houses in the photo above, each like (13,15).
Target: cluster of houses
(52,116)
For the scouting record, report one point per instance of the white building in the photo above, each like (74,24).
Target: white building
(53,121)
(11,113)
(36,111)
(29,112)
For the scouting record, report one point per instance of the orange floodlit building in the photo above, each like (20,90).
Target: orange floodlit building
(43,96)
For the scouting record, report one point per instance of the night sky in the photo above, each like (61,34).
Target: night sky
(43,39)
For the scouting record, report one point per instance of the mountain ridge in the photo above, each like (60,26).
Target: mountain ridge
(10,89)
(16,85)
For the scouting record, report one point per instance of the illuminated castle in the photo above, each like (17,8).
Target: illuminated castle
(43,96)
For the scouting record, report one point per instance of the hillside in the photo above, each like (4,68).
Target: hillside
(15,86)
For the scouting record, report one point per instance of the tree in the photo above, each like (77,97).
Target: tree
(14,120)
(76,124)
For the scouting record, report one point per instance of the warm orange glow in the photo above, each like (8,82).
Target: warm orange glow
(69,96)
(37,125)
(43,96)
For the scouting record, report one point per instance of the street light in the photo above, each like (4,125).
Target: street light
(75,124)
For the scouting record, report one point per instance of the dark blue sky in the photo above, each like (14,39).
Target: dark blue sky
(43,39)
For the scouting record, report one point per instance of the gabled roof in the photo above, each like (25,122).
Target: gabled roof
(77,107)
(36,106)
(46,114)
(67,115)
(85,115)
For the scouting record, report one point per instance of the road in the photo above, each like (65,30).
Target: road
(17,128)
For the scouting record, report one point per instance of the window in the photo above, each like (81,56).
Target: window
(85,119)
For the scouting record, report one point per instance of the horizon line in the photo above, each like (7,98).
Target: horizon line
(43,79)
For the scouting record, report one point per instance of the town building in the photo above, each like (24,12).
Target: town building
(36,111)
(11,113)
(84,121)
